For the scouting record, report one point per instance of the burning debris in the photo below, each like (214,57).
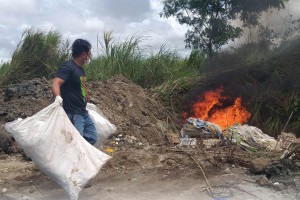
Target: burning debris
(218,109)
(197,128)
(247,137)
(217,116)
(207,129)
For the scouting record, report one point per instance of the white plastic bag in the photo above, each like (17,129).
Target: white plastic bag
(251,137)
(103,126)
(57,148)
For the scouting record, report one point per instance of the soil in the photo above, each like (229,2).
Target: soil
(147,162)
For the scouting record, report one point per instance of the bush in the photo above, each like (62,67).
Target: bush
(134,61)
(38,54)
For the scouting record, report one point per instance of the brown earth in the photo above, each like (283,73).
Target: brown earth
(143,148)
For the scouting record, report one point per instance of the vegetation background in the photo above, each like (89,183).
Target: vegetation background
(264,70)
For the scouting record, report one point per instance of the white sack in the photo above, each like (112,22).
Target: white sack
(103,126)
(251,136)
(57,148)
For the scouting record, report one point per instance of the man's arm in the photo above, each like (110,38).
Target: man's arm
(56,83)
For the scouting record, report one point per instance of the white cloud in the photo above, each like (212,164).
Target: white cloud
(88,18)
(17,6)
(156,5)
(94,24)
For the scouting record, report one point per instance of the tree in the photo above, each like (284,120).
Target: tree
(211,21)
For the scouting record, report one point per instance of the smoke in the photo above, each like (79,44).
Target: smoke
(282,24)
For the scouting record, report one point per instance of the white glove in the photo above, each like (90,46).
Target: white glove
(59,100)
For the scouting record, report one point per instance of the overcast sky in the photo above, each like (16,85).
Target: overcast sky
(87,18)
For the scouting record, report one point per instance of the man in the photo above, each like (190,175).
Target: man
(69,87)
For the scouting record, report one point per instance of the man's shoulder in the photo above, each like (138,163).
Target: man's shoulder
(68,66)
(65,70)
(69,63)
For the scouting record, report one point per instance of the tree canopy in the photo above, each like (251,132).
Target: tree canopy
(211,21)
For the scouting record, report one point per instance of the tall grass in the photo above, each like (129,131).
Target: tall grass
(3,69)
(133,60)
(38,54)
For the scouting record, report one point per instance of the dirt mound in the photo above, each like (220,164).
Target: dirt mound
(131,109)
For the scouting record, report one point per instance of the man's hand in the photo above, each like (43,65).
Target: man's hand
(59,100)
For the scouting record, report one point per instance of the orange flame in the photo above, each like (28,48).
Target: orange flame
(211,109)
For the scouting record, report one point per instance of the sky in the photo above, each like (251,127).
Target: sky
(88,18)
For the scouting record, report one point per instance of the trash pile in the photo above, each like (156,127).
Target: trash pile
(247,137)
(291,144)
(289,162)
(197,128)
(121,140)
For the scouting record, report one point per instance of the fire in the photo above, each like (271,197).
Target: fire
(212,109)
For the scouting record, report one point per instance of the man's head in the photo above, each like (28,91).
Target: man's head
(81,50)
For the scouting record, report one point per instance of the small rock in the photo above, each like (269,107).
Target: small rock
(171,163)
(278,186)
(227,171)
(263,181)
(133,138)
(14,149)
(5,140)
(3,156)
(258,165)
(140,144)
(32,190)
(110,189)
(4,190)
(165,176)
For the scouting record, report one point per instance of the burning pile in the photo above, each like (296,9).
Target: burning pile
(217,116)
(220,110)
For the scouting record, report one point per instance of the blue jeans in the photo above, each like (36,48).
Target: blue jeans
(85,126)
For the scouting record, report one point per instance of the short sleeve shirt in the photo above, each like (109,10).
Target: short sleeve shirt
(73,90)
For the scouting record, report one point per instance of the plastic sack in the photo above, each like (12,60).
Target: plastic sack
(57,148)
(103,126)
(250,137)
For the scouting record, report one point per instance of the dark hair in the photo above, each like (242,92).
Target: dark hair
(79,46)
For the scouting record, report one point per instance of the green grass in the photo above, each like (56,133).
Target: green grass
(3,70)
(134,61)
(38,54)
